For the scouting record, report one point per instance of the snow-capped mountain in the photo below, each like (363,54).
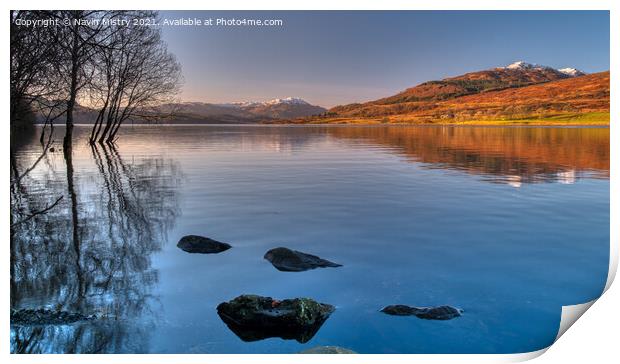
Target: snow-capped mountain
(246,111)
(571,72)
(286,101)
(290,107)
(522,65)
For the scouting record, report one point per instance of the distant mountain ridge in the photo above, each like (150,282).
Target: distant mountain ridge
(285,101)
(245,112)
(226,113)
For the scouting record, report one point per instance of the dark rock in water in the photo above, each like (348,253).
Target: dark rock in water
(46,317)
(428,313)
(254,318)
(327,350)
(202,245)
(288,260)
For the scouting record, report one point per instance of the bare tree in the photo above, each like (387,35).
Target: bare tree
(81,39)
(135,72)
(34,80)
(120,69)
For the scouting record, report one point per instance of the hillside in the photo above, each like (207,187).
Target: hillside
(519,92)
(475,82)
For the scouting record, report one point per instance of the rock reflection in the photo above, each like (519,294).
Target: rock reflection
(513,156)
(92,253)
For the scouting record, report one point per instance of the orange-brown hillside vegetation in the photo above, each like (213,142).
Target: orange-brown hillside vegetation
(493,95)
(473,82)
(583,94)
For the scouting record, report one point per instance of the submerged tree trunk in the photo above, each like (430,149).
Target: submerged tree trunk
(94,133)
(68,155)
(75,236)
(67,142)
(68,152)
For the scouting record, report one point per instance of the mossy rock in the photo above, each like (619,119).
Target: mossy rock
(253,317)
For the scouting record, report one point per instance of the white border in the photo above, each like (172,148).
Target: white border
(599,332)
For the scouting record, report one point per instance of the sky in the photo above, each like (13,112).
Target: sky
(330,58)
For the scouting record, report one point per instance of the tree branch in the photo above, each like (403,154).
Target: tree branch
(46,209)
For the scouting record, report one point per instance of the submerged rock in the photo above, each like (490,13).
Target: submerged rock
(43,316)
(202,245)
(288,260)
(327,350)
(254,318)
(428,313)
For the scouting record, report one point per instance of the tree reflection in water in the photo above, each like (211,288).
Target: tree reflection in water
(92,253)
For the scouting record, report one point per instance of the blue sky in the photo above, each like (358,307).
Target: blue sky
(331,58)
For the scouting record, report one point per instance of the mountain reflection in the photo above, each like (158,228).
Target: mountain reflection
(91,254)
(501,155)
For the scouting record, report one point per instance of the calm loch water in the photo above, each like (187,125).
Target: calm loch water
(508,223)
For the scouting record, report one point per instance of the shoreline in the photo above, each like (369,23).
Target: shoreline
(464,123)
(460,124)
(598,118)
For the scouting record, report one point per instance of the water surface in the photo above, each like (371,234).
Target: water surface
(508,223)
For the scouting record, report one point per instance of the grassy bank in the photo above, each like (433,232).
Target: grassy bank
(592,118)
